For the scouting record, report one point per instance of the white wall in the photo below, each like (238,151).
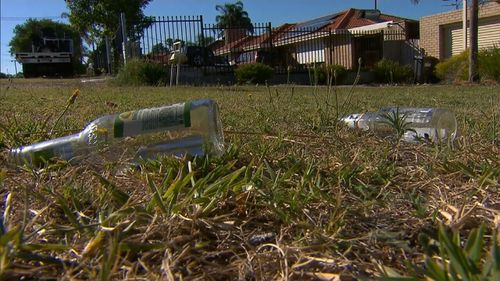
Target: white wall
(311,51)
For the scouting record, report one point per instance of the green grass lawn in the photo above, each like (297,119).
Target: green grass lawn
(296,195)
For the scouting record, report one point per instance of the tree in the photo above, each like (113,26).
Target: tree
(159,49)
(233,15)
(33,31)
(233,22)
(204,40)
(94,19)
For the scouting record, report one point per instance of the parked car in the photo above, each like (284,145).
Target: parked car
(199,56)
(196,56)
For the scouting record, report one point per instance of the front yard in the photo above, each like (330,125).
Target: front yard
(296,195)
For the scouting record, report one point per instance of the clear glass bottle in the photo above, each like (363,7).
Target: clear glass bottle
(185,128)
(434,124)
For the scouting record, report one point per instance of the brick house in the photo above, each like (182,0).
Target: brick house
(442,34)
(348,35)
(339,38)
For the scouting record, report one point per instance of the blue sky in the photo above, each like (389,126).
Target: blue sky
(15,12)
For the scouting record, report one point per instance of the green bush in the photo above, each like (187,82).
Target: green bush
(79,68)
(389,71)
(139,73)
(430,69)
(253,73)
(489,64)
(454,68)
(337,74)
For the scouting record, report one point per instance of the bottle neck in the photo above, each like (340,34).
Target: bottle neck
(38,153)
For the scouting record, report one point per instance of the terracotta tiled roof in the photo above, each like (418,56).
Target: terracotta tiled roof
(280,31)
(221,48)
(347,19)
(343,18)
(353,18)
(250,42)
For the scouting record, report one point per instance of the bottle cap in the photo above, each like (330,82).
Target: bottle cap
(351,120)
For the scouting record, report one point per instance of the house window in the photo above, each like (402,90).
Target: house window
(311,51)
(247,57)
(369,49)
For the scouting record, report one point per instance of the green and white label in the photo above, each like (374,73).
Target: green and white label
(171,117)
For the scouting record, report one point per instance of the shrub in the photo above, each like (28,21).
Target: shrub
(430,69)
(454,68)
(489,64)
(253,73)
(79,68)
(389,71)
(337,74)
(138,72)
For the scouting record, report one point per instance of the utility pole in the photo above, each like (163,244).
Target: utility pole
(15,65)
(123,25)
(473,48)
(375,4)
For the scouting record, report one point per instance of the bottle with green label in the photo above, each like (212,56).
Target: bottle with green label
(185,128)
(432,124)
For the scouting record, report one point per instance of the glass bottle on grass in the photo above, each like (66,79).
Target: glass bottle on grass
(430,124)
(185,128)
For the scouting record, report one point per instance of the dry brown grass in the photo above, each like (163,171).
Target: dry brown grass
(294,197)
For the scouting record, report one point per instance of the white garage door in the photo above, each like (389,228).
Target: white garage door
(488,36)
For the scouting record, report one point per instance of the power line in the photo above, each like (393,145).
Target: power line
(25,18)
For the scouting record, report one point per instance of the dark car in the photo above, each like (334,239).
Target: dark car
(200,56)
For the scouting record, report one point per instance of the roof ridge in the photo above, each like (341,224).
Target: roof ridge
(344,18)
(401,18)
(333,15)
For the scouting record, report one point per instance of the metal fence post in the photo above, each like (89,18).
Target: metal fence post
(202,33)
(171,74)
(124,37)
(330,47)
(203,41)
(271,55)
(108,55)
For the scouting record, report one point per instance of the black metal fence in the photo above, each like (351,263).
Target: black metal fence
(156,40)
(101,55)
(208,49)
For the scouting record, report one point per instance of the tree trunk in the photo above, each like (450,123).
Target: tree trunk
(233,34)
(474,15)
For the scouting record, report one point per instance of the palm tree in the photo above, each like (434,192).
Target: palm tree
(233,21)
(233,15)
